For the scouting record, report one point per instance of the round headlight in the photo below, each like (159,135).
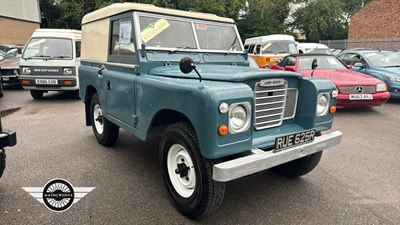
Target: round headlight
(322,104)
(239,117)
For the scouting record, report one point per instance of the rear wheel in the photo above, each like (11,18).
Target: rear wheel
(187,174)
(105,131)
(36,94)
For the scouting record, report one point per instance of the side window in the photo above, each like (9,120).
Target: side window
(354,58)
(78,49)
(122,40)
(258,49)
(289,61)
(251,49)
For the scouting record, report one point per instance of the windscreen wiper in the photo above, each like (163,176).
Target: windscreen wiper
(38,56)
(232,45)
(181,48)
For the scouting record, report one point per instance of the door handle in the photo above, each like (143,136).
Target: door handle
(100,71)
(108,85)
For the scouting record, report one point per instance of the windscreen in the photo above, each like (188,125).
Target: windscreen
(50,48)
(323,62)
(279,47)
(181,34)
(384,59)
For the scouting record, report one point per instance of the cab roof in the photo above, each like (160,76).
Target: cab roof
(118,8)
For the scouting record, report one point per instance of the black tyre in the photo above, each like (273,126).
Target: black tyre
(1,88)
(105,131)
(36,94)
(2,161)
(187,174)
(298,167)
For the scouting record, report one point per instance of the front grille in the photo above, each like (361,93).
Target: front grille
(352,89)
(7,72)
(273,104)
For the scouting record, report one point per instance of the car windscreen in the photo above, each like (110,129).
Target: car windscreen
(323,62)
(279,47)
(318,50)
(383,59)
(49,48)
(173,33)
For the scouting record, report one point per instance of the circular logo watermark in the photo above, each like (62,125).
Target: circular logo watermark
(58,195)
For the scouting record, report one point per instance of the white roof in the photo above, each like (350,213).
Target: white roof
(67,33)
(273,37)
(119,8)
(312,45)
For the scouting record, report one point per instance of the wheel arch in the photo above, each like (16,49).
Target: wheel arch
(165,117)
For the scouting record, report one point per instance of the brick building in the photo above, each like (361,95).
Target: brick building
(380,19)
(18,20)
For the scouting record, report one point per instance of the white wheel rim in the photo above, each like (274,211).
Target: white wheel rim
(185,186)
(98,119)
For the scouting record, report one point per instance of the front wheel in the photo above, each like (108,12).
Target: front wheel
(36,94)
(187,174)
(105,131)
(299,167)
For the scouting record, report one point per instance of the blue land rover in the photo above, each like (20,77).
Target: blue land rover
(186,74)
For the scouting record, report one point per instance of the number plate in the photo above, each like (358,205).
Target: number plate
(46,81)
(294,139)
(6,79)
(361,97)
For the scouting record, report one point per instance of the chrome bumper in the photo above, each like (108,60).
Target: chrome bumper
(261,160)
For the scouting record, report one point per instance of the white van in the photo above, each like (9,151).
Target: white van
(50,61)
(305,48)
(270,49)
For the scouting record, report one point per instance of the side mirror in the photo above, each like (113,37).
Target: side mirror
(314,64)
(290,68)
(349,66)
(186,65)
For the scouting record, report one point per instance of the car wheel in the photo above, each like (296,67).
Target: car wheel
(105,131)
(298,167)
(2,161)
(187,174)
(36,94)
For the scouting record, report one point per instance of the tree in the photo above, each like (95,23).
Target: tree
(321,20)
(263,17)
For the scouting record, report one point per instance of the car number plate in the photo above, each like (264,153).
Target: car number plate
(6,79)
(46,81)
(361,97)
(294,139)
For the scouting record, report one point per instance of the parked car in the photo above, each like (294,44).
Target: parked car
(383,65)
(50,62)
(307,48)
(270,49)
(9,66)
(355,89)
(8,138)
(219,119)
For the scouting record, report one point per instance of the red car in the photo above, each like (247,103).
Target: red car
(355,89)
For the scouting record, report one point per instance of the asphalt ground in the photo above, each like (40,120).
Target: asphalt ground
(357,182)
